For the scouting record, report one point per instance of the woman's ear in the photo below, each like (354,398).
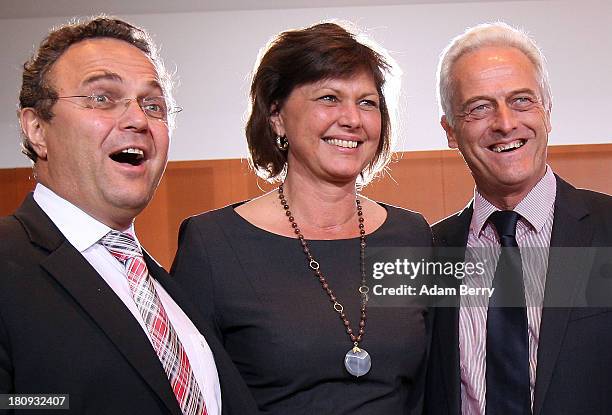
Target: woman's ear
(276,120)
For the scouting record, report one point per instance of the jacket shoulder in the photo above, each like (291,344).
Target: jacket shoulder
(453,230)
(597,205)
(444,225)
(410,217)
(210,218)
(13,236)
(600,202)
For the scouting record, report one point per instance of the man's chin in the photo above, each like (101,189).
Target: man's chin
(133,203)
(512,182)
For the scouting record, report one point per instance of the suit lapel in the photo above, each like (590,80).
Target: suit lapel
(451,233)
(572,227)
(72,271)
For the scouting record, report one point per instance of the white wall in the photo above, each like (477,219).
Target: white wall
(215,51)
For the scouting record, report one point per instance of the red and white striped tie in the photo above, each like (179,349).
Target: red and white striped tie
(163,336)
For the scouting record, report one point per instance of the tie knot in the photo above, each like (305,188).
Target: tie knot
(505,222)
(121,245)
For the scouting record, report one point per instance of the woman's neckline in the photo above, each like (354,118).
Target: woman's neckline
(254,227)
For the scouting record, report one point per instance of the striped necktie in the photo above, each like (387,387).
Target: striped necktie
(163,336)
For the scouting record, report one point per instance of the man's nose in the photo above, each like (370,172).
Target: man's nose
(133,116)
(505,119)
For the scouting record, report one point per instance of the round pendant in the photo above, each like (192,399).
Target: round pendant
(357,362)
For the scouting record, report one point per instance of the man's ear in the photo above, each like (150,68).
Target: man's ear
(276,120)
(32,127)
(547,121)
(450,132)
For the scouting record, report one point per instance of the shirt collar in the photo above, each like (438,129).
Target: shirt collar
(534,208)
(80,229)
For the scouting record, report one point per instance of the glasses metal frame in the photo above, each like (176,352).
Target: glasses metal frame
(114,103)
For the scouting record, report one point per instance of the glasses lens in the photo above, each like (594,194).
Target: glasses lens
(155,107)
(98,102)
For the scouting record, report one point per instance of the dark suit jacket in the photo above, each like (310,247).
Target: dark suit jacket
(63,329)
(574,361)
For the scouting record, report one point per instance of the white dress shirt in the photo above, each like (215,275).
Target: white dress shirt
(84,232)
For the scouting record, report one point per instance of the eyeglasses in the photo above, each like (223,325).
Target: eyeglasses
(153,107)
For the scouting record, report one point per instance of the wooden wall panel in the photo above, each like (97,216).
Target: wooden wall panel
(413,182)
(458,184)
(435,183)
(589,167)
(14,185)
(8,191)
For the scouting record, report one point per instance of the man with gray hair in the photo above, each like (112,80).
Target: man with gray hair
(87,317)
(531,347)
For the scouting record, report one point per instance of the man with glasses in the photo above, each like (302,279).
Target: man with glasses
(84,311)
(542,342)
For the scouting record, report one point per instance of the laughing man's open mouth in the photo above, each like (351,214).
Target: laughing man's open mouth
(132,156)
(504,148)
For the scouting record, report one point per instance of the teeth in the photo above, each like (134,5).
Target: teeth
(133,151)
(503,147)
(133,156)
(341,143)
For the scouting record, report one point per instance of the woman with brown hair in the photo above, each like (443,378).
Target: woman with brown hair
(320,125)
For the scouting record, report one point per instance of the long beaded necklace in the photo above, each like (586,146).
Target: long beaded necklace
(357,360)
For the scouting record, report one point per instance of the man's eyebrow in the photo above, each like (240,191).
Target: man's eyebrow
(473,99)
(156,84)
(106,75)
(476,98)
(524,91)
